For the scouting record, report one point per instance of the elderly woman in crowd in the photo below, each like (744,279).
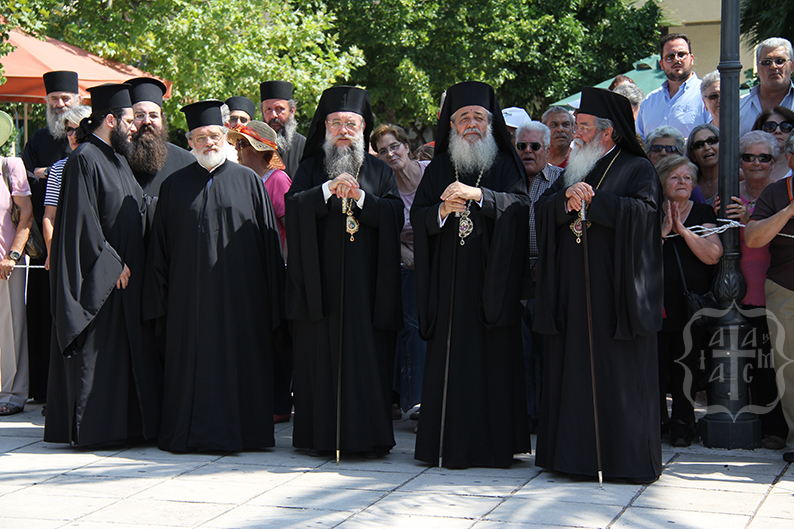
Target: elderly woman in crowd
(710,92)
(663,141)
(773,215)
(390,142)
(703,149)
(696,256)
(13,329)
(71,121)
(758,151)
(779,122)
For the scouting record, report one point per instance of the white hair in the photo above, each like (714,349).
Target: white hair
(535,126)
(774,42)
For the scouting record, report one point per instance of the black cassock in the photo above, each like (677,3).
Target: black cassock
(625,250)
(214,283)
(319,247)
(292,157)
(105,376)
(41,150)
(177,159)
(486,413)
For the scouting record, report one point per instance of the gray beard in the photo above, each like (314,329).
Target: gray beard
(286,134)
(211,159)
(343,160)
(582,160)
(471,158)
(55,123)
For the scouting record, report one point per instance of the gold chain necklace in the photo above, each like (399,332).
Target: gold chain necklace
(351,223)
(576,226)
(466,225)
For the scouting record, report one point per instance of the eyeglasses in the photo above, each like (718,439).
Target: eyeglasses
(349,125)
(234,120)
(750,158)
(771,126)
(534,145)
(713,97)
(241,143)
(140,116)
(201,140)
(669,149)
(70,131)
(779,61)
(681,55)
(711,140)
(394,147)
(582,129)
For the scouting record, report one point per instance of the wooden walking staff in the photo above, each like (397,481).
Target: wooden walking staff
(589,303)
(339,358)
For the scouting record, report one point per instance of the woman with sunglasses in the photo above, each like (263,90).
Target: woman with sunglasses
(779,122)
(71,120)
(758,151)
(703,150)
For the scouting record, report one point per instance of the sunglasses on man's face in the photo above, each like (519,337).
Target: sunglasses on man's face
(771,126)
(669,149)
(534,145)
(779,61)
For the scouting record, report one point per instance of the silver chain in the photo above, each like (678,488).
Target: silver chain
(727,224)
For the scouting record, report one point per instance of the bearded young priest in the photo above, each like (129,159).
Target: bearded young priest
(214,286)
(105,375)
(471,221)
(610,173)
(344,216)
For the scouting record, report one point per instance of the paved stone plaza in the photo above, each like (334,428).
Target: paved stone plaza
(45,486)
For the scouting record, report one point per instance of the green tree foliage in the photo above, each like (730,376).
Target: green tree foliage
(209,49)
(532,52)
(762,19)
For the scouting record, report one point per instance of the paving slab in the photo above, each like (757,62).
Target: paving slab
(643,518)
(444,505)
(147,512)
(31,502)
(292,496)
(370,520)
(545,513)
(699,500)
(779,505)
(452,483)
(550,486)
(342,478)
(263,517)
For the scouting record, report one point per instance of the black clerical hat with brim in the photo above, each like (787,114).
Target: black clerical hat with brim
(242,103)
(275,90)
(60,81)
(146,89)
(337,99)
(203,113)
(109,96)
(467,94)
(616,108)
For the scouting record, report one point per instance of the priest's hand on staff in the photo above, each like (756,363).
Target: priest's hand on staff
(452,205)
(577,193)
(124,278)
(456,190)
(345,186)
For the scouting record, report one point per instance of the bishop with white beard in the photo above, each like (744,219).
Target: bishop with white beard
(344,216)
(471,221)
(609,173)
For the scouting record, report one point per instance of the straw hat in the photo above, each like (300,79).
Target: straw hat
(261,137)
(6,127)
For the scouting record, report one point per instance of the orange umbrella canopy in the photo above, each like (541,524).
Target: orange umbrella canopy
(32,58)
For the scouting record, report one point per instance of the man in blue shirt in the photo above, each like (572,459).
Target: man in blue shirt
(677,102)
(773,60)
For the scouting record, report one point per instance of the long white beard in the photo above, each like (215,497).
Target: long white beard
(55,122)
(210,159)
(340,160)
(286,134)
(472,157)
(583,159)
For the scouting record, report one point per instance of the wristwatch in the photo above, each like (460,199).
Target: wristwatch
(14,255)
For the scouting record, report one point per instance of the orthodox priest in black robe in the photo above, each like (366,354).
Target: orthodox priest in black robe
(343,219)
(278,111)
(105,376)
(610,173)
(215,285)
(45,147)
(152,158)
(471,222)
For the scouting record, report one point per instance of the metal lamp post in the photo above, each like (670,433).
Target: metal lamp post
(724,426)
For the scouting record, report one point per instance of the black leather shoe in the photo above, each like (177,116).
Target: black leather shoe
(788,457)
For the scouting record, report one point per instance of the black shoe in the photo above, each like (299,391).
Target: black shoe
(396,413)
(788,457)
(680,433)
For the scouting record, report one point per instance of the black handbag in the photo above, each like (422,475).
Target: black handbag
(34,247)
(695,302)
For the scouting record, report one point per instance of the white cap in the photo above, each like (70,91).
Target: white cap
(515,116)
